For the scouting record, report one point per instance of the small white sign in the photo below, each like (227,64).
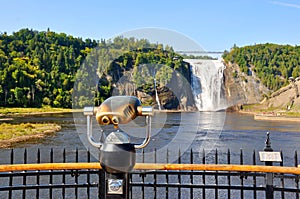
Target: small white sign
(267,156)
(115,186)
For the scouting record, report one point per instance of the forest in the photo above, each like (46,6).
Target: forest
(273,64)
(39,68)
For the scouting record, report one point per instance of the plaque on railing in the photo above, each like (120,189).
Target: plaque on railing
(269,156)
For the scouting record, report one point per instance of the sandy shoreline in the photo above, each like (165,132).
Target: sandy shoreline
(277,118)
(270,117)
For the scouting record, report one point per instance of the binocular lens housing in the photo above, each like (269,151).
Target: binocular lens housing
(118,110)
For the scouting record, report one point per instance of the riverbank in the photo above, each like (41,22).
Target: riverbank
(8,112)
(277,118)
(14,133)
(272,115)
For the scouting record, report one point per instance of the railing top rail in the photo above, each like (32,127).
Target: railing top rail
(152,166)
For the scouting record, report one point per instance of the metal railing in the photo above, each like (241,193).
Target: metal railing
(76,174)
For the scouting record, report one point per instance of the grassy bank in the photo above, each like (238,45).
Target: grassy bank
(276,113)
(13,133)
(25,111)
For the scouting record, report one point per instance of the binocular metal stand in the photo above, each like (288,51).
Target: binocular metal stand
(117,154)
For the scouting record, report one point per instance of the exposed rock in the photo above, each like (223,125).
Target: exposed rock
(286,98)
(235,108)
(175,95)
(244,89)
(241,88)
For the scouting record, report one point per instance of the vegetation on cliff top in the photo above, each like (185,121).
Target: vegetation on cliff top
(273,64)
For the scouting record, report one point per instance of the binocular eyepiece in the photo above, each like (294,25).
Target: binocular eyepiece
(120,110)
(108,120)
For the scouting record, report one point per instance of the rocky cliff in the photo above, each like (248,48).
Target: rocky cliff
(287,98)
(241,88)
(175,95)
(247,89)
(171,74)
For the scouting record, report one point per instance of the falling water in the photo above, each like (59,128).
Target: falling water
(207,82)
(156,95)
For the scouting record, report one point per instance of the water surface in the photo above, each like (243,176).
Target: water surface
(171,131)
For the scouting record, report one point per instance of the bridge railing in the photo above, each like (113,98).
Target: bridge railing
(76,174)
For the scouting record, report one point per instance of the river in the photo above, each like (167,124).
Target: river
(208,130)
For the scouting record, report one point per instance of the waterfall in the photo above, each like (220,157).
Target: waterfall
(207,83)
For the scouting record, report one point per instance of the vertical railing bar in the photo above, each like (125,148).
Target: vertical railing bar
(38,173)
(167,176)
(130,187)
(216,175)
(297,176)
(24,176)
(143,176)
(282,177)
(64,176)
(155,176)
(51,175)
(254,176)
(296,159)
(242,177)
(11,174)
(179,176)
(88,175)
(101,183)
(191,176)
(203,176)
(76,174)
(228,177)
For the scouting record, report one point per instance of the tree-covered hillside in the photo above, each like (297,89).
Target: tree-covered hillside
(273,64)
(40,68)
(37,68)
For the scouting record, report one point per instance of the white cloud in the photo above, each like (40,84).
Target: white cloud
(285,4)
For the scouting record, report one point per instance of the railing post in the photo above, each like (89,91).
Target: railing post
(116,160)
(269,156)
(101,186)
(269,176)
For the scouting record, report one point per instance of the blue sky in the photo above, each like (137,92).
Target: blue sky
(216,25)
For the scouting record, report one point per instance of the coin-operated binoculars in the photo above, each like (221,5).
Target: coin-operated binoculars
(117,153)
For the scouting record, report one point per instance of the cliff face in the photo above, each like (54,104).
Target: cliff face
(175,94)
(286,98)
(241,88)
